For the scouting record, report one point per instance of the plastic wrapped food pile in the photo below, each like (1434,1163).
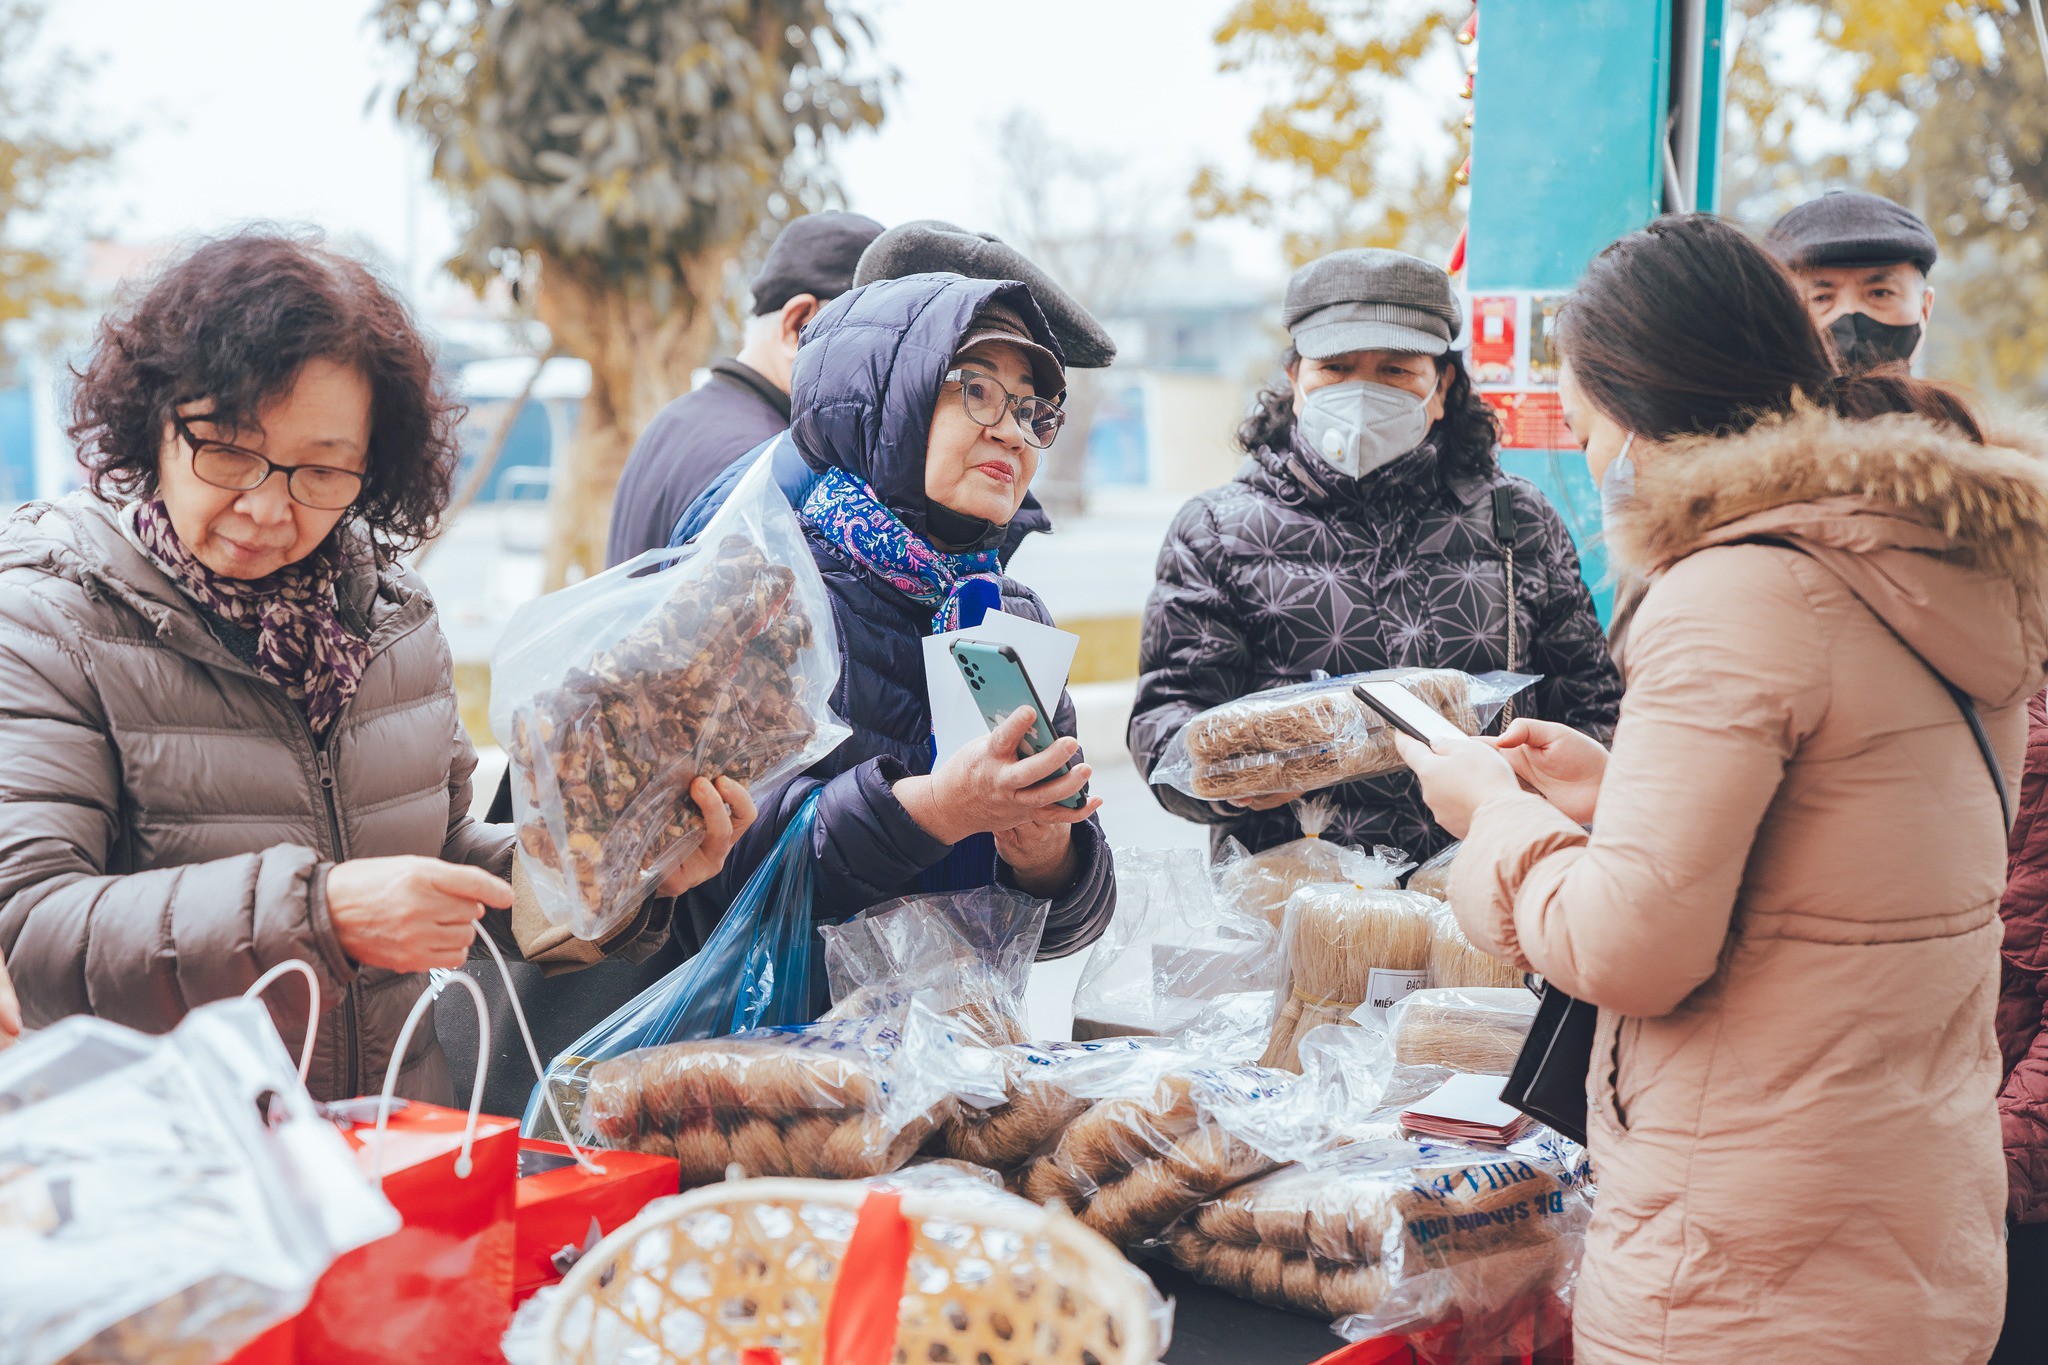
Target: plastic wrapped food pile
(1433,878)
(1317,734)
(1260,883)
(1475,1028)
(1397,1234)
(967,955)
(1347,947)
(1132,1164)
(1037,1105)
(839,1099)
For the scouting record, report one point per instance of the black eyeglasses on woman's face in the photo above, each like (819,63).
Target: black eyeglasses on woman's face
(322,487)
(986,400)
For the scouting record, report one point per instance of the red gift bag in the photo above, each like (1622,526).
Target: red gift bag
(440,1288)
(560,1199)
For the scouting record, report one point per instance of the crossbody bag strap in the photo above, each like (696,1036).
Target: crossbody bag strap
(1505,535)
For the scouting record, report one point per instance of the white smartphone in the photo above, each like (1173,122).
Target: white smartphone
(1406,712)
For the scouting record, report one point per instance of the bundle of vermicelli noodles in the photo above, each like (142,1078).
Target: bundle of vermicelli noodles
(1455,961)
(1336,936)
(1477,1029)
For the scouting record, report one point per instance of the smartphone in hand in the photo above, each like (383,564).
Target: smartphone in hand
(996,677)
(1406,712)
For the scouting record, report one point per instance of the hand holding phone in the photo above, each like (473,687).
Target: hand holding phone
(1406,712)
(1001,687)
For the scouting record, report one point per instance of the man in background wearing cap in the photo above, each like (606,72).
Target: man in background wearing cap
(698,436)
(1863,263)
(927,246)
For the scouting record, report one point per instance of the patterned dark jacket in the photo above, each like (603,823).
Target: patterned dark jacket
(1294,568)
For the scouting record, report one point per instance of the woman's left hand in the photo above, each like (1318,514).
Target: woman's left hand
(1041,854)
(728,813)
(1457,778)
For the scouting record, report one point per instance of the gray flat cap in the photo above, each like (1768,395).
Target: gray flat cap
(927,245)
(1370,299)
(1849,227)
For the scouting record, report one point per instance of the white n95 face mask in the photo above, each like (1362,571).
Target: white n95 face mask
(1358,426)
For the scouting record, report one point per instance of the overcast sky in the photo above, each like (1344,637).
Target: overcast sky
(242,109)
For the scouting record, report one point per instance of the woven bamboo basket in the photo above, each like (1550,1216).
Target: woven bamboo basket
(752,1263)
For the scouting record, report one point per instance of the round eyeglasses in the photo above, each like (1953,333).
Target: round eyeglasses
(324,488)
(986,401)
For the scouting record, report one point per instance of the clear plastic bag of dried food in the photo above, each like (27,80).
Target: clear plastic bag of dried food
(839,1099)
(1350,951)
(1164,1130)
(715,659)
(753,972)
(1433,878)
(166,1198)
(1260,883)
(1179,961)
(1037,1105)
(1402,1236)
(1472,1028)
(967,954)
(1312,735)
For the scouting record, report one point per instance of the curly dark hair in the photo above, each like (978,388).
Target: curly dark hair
(233,322)
(1465,436)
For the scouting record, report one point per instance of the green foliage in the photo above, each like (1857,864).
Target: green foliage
(624,135)
(39,156)
(1330,171)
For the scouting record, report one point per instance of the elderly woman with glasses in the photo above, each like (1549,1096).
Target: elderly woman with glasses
(921,407)
(229,734)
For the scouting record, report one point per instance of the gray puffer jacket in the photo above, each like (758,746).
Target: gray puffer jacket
(167,821)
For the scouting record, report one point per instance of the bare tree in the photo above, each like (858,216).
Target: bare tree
(1092,223)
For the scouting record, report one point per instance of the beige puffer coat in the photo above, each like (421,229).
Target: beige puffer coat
(1788,908)
(166,820)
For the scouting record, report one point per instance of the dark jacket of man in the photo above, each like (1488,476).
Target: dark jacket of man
(687,445)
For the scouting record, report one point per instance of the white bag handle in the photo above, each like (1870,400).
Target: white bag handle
(305,969)
(547,1091)
(463,1164)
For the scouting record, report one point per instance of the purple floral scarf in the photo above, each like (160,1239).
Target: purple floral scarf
(301,644)
(846,511)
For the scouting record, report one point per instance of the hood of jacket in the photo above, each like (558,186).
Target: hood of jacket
(1944,539)
(868,374)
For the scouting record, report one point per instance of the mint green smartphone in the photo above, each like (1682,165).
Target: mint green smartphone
(1001,687)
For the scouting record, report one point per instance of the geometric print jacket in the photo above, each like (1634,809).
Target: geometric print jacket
(1294,570)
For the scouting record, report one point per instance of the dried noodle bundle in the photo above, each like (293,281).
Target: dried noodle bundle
(1336,937)
(1455,961)
(1479,1029)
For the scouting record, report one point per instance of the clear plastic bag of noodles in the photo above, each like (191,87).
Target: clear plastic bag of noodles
(754,971)
(1038,1103)
(1473,1028)
(166,1199)
(1260,883)
(715,659)
(1349,953)
(1178,961)
(1312,735)
(1166,1130)
(1433,878)
(839,1099)
(1397,1236)
(967,954)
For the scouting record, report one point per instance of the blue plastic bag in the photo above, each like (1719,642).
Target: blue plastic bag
(753,973)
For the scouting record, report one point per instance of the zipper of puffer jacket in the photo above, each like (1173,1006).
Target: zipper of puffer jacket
(324,763)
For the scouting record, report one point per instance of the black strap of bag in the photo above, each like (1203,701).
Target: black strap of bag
(1504,535)
(1548,1081)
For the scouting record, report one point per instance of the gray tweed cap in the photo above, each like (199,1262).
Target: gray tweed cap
(926,245)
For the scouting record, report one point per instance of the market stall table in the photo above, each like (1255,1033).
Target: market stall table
(1211,1327)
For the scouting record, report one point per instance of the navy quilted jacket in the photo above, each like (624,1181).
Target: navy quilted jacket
(865,383)
(1293,568)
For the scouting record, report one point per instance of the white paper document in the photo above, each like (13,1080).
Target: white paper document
(1046,652)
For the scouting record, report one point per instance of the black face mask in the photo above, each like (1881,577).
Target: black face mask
(1863,342)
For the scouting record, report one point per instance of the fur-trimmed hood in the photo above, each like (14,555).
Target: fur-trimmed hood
(1946,540)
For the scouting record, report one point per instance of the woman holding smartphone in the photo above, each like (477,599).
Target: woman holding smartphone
(1787,907)
(922,406)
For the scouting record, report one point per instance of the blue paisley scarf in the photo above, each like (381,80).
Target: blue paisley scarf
(847,513)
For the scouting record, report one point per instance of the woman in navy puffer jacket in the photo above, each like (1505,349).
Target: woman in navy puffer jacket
(908,500)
